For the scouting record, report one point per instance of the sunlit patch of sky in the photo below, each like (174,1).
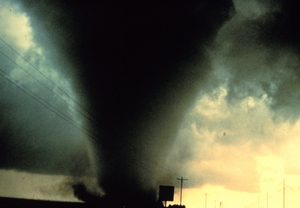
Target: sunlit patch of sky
(244,153)
(15,26)
(22,184)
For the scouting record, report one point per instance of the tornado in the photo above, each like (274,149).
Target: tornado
(141,64)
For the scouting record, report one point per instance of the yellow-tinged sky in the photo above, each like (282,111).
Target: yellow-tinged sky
(240,155)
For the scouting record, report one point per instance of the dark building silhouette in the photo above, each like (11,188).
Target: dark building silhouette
(176,206)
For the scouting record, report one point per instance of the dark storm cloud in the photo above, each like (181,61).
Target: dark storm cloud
(260,52)
(281,32)
(280,27)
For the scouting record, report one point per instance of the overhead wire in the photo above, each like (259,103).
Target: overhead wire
(43,102)
(58,112)
(45,76)
(48,88)
(68,119)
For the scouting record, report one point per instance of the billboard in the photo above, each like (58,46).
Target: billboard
(166,193)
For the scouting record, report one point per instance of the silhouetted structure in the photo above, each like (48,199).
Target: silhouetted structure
(176,206)
(166,193)
(6,202)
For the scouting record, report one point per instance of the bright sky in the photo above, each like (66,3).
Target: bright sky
(240,156)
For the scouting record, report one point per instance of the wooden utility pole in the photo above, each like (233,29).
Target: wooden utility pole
(181,182)
(205,200)
(283,193)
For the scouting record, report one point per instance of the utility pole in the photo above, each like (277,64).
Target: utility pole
(205,200)
(181,182)
(284,186)
(267,200)
(283,190)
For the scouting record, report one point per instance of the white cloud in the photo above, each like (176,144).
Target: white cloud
(237,146)
(239,157)
(15,26)
(213,106)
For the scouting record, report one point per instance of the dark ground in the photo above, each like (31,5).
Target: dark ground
(16,202)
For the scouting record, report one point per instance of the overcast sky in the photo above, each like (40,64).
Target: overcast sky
(236,140)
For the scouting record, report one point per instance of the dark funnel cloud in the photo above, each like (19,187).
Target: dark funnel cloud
(141,64)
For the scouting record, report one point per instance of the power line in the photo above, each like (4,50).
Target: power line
(43,74)
(65,93)
(72,122)
(51,107)
(92,121)
(60,114)
(44,102)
